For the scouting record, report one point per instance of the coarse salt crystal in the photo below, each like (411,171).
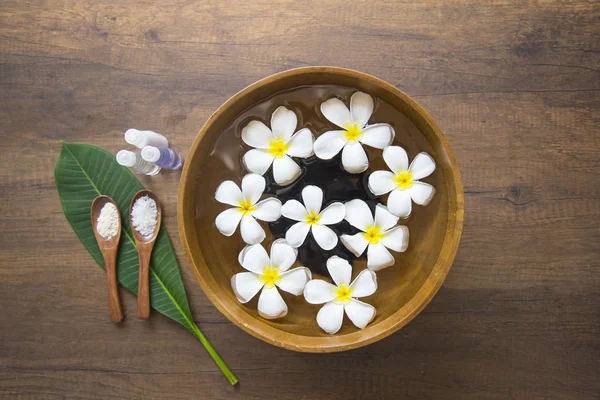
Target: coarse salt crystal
(143,215)
(108,221)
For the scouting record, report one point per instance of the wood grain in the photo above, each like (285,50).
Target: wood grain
(515,86)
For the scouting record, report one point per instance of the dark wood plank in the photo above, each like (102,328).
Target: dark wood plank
(516,86)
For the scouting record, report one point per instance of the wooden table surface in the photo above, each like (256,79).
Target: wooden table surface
(516,87)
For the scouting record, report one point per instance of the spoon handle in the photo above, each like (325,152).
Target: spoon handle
(143,304)
(114,304)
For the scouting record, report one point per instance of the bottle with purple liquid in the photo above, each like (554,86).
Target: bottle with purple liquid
(163,157)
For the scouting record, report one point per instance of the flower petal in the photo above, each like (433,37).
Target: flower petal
(421,193)
(336,112)
(282,240)
(283,123)
(296,234)
(396,239)
(285,170)
(356,243)
(257,161)
(421,166)
(340,270)
(257,134)
(378,257)
(253,186)
(245,285)
(283,256)
(365,284)
(329,144)
(256,259)
(243,253)
(383,218)
(268,209)
(312,196)
(360,313)
(361,108)
(293,209)
(228,220)
(332,214)
(294,281)
(271,304)
(399,203)
(378,135)
(251,231)
(324,236)
(358,214)
(229,193)
(330,317)
(396,159)
(354,158)
(381,182)
(301,144)
(318,291)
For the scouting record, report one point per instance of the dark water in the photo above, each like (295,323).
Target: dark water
(337,185)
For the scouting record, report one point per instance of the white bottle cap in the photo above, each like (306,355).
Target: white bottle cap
(126,158)
(133,137)
(150,153)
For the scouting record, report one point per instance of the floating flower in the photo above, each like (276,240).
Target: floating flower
(311,218)
(342,296)
(276,146)
(403,180)
(377,235)
(246,208)
(269,273)
(355,131)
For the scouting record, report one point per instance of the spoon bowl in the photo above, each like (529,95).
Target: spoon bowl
(109,248)
(144,245)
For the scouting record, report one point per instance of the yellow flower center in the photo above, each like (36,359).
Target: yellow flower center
(270,276)
(404,180)
(313,218)
(246,206)
(278,148)
(342,294)
(353,132)
(373,234)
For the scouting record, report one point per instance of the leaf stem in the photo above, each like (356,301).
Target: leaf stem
(213,353)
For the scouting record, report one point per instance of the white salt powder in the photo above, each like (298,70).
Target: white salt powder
(143,215)
(108,221)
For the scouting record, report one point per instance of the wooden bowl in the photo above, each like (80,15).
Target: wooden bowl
(404,288)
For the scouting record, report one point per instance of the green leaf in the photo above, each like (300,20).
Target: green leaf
(84,172)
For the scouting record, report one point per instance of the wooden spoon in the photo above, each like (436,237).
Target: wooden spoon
(144,246)
(109,248)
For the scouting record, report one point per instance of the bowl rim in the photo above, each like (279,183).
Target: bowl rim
(360,338)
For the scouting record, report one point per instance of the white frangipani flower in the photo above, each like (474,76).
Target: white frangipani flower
(342,296)
(377,235)
(355,131)
(403,180)
(246,208)
(276,145)
(311,218)
(269,273)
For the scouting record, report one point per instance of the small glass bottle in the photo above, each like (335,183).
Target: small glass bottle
(140,139)
(135,162)
(163,157)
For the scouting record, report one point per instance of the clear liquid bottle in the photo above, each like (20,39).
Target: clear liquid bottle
(141,139)
(136,162)
(163,157)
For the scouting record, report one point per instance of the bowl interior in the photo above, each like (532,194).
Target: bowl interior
(404,288)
